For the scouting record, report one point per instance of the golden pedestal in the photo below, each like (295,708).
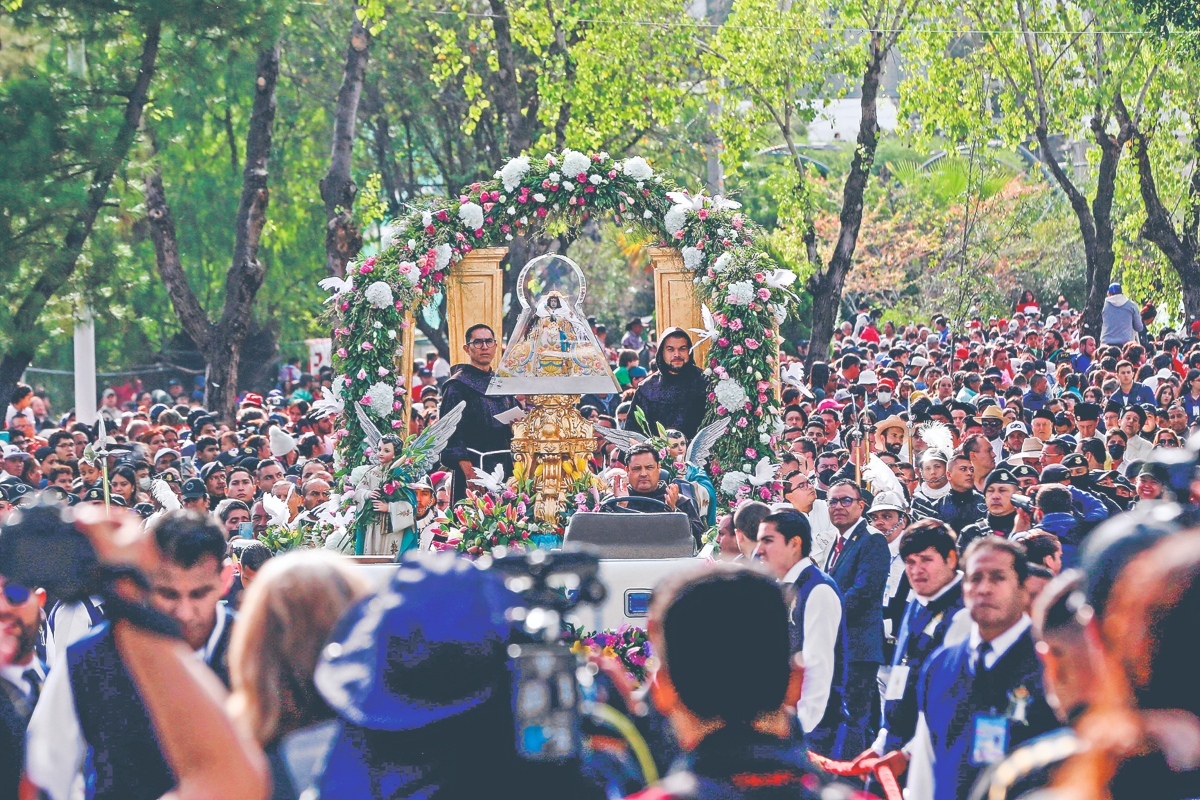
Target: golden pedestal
(474,295)
(551,433)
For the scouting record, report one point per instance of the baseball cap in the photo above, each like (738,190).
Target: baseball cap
(12,451)
(1055,473)
(193,489)
(1003,476)
(386,664)
(1016,427)
(252,399)
(208,469)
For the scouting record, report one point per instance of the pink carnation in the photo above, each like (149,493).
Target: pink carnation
(702,213)
(742,422)
(722,342)
(342,352)
(764,294)
(365,269)
(735,324)
(750,453)
(753,344)
(367,346)
(738,350)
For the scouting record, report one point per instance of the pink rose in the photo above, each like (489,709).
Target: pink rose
(367,346)
(370,262)
(742,422)
(397,406)
(342,352)
(722,342)
(764,294)
(752,344)
(760,277)
(431,230)
(735,324)
(365,269)
(750,453)
(443,216)
(702,213)
(738,350)
(762,398)
(541,212)
(581,177)
(612,173)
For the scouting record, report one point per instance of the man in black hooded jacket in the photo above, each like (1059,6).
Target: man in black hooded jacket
(676,394)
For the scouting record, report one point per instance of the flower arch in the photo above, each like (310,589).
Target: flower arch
(745,290)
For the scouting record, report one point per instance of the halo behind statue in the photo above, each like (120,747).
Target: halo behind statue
(552,349)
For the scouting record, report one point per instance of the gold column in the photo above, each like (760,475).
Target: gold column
(675,299)
(475,294)
(403,362)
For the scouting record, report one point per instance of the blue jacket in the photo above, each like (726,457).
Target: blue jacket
(861,572)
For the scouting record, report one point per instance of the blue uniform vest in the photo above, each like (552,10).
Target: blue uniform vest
(950,697)
(809,579)
(913,647)
(126,759)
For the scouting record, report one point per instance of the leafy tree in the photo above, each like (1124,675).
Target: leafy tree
(1041,68)
(773,54)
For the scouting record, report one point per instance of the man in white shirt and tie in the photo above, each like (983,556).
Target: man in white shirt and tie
(784,546)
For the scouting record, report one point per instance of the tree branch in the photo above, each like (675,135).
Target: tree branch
(343,239)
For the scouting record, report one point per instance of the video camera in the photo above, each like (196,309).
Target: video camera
(41,547)
(550,688)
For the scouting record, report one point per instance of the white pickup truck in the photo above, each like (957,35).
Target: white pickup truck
(636,550)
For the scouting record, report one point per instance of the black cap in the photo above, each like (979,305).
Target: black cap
(193,489)
(1024,471)
(1055,473)
(96,495)
(1044,413)
(1075,461)
(1088,412)
(208,469)
(1113,407)
(1003,476)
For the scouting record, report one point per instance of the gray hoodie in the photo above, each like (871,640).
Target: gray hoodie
(1122,320)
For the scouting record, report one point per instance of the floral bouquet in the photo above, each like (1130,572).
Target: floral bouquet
(484,521)
(628,644)
(280,538)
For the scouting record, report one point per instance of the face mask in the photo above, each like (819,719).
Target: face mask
(826,475)
(885,397)
(1117,451)
(144,484)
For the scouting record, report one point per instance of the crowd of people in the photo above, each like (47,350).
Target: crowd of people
(966,574)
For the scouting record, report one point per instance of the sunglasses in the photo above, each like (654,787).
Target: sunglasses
(15,594)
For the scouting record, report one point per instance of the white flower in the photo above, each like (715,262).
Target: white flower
(377,325)
(409,272)
(724,262)
(379,294)
(637,168)
(426,219)
(674,219)
(693,257)
(647,214)
(730,394)
(779,310)
(442,259)
(471,215)
(765,438)
(412,244)
(554,177)
(391,334)
(513,172)
(539,198)
(740,293)
(574,162)
(732,481)
(380,396)
(641,184)
(512,211)
(570,187)
(595,179)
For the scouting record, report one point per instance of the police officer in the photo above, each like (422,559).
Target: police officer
(1003,517)
(194,495)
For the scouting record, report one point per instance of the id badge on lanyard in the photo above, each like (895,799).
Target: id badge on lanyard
(989,739)
(897,681)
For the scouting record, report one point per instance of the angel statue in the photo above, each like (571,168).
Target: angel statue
(393,498)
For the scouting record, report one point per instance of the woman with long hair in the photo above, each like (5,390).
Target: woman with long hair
(285,618)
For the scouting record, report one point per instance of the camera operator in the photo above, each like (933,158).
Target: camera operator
(419,679)
(95,698)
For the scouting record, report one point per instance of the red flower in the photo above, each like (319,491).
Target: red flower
(443,216)
(431,230)
(541,212)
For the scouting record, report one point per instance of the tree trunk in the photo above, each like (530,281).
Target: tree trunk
(826,285)
(1160,229)
(221,343)
(519,116)
(343,239)
(25,333)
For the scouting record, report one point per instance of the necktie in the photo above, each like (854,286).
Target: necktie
(34,679)
(837,551)
(981,656)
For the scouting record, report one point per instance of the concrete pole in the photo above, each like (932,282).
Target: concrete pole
(85,367)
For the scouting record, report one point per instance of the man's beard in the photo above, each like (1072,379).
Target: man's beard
(894,447)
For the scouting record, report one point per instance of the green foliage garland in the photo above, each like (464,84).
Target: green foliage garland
(735,279)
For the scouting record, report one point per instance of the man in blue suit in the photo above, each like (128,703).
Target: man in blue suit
(858,564)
